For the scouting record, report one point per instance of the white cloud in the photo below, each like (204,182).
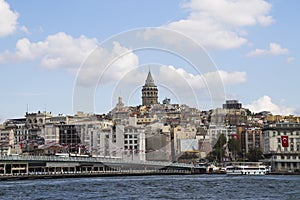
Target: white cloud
(200,81)
(265,104)
(8,19)
(193,88)
(219,23)
(232,12)
(108,66)
(64,51)
(274,50)
(56,51)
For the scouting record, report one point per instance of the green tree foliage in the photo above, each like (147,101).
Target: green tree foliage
(235,147)
(218,151)
(221,142)
(255,154)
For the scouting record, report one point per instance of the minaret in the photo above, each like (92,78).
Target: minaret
(149,91)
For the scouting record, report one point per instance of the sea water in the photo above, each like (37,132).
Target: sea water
(155,187)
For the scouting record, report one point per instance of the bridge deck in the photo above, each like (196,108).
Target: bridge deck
(105,160)
(23,167)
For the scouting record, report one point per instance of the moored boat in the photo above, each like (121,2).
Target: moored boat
(247,168)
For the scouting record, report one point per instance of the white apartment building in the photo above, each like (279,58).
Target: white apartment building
(283,155)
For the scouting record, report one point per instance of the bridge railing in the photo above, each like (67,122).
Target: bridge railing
(91,160)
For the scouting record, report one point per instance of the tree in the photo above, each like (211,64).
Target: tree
(255,154)
(221,141)
(218,151)
(234,147)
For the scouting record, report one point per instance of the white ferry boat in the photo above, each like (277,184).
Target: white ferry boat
(247,168)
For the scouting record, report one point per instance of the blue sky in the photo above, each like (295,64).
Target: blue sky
(254,45)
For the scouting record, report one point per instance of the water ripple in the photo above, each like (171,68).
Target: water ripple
(155,187)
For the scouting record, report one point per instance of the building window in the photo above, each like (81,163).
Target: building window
(295,165)
(278,140)
(282,157)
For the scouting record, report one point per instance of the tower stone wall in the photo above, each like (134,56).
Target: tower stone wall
(149,92)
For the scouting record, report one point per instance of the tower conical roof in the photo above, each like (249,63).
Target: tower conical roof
(149,81)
